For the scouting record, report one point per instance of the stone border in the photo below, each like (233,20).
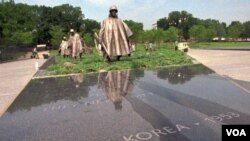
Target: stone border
(100,71)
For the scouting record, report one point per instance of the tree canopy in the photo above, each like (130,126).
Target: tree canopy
(203,30)
(36,24)
(136,28)
(32,24)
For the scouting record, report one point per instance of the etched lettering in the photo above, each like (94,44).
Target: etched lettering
(74,105)
(233,114)
(208,119)
(129,139)
(86,103)
(97,101)
(180,127)
(92,102)
(169,130)
(157,132)
(225,116)
(63,107)
(144,136)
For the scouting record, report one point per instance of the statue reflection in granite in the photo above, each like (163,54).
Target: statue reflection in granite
(116,85)
(78,79)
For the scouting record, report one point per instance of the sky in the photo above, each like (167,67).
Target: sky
(149,11)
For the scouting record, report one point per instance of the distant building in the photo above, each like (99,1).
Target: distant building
(223,39)
(216,39)
(154,26)
(219,39)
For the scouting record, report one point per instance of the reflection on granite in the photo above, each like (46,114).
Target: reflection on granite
(176,75)
(177,103)
(116,85)
(45,91)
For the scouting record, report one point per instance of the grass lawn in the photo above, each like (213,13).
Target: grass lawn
(163,56)
(220,45)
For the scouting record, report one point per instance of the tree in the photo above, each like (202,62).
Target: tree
(12,1)
(143,37)
(88,39)
(209,34)
(246,32)
(38,20)
(1,22)
(186,22)
(198,32)
(216,28)
(159,36)
(220,30)
(67,17)
(22,37)
(235,29)
(163,23)
(174,18)
(1,32)
(57,34)
(42,35)
(171,34)
(181,20)
(89,25)
(147,36)
(136,28)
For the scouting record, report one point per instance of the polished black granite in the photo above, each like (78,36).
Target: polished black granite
(187,103)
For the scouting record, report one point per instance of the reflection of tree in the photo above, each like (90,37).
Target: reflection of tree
(43,91)
(176,75)
(207,107)
(136,74)
(117,84)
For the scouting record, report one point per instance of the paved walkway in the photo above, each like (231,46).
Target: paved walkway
(232,63)
(14,76)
